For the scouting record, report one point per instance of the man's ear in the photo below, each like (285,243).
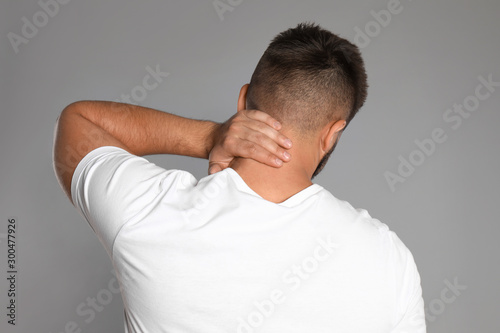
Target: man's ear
(242,99)
(331,133)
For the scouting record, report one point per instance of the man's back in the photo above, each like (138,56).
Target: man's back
(213,256)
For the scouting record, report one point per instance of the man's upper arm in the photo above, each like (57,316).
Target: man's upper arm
(413,320)
(74,137)
(411,302)
(111,187)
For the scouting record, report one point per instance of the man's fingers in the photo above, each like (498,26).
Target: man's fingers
(260,127)
(263,117)
(268,143)
(256,152)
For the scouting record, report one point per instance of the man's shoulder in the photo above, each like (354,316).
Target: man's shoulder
(358,217)
(114,165)
(360,224)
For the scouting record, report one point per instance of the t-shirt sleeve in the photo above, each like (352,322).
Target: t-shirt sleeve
(411,315)
(110,187)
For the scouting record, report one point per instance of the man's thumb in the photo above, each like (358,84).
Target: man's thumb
(214,168)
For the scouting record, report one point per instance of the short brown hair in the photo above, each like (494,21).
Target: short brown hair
(308,77)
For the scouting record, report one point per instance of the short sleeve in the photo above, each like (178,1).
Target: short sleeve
(411,315)
(110,187)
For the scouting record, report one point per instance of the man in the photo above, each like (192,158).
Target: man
(255,246)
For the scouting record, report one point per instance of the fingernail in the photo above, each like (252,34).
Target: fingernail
(279,162)
(288,143)
(277,125)
(286,155)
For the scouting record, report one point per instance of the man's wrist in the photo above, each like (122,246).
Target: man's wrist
(214,130)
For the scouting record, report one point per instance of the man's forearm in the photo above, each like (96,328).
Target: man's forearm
(145,131)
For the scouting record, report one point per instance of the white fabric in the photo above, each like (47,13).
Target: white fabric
(213,256)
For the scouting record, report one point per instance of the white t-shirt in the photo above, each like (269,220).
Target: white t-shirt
(212,256)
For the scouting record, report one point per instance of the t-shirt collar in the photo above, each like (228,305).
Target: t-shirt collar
(294,200)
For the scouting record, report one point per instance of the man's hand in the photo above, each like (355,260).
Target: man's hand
(250,134)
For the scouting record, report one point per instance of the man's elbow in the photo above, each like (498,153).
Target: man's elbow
(65,128)
(75,107)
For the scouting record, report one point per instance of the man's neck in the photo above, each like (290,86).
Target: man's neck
(273,184)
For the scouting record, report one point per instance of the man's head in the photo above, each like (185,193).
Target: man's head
(309,79)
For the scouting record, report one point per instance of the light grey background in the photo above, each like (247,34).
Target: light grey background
(425,60)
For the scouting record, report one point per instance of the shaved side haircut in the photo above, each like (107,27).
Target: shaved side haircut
(308,77)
